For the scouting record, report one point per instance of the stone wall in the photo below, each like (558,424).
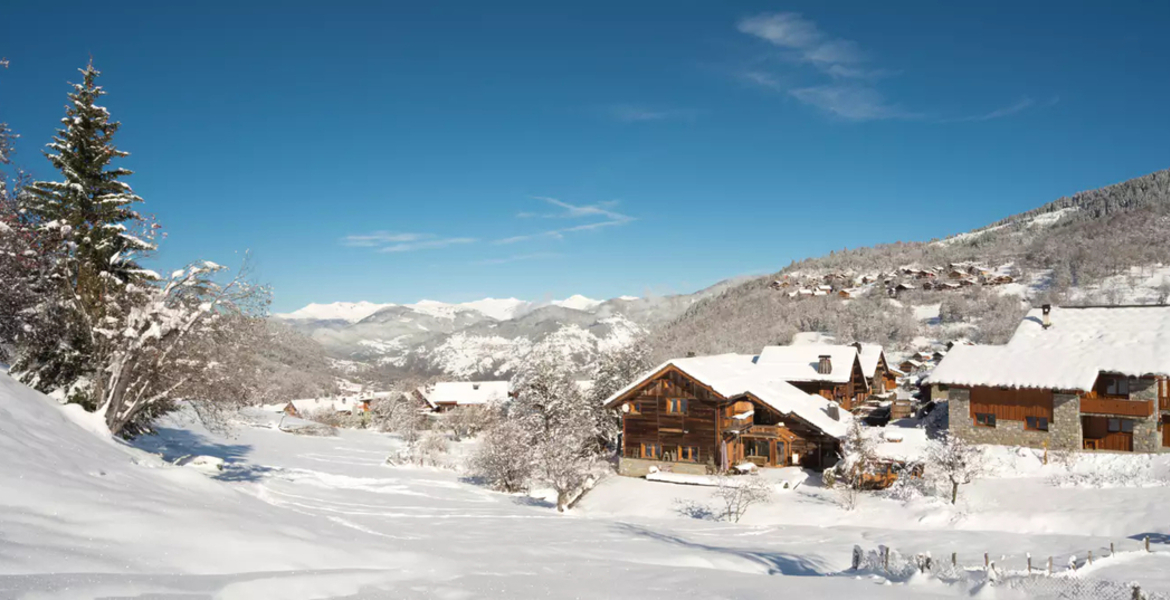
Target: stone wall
(1064,430)
(638,467)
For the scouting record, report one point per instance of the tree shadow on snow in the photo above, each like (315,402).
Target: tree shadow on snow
(1155,538)
(776,563)
(530,501)
(174,444)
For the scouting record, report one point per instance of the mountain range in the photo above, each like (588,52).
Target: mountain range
(1103,246)
(483,339)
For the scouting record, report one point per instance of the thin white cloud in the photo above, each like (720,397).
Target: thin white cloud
(627,113)
(856,103)
(518,258)
(807,42)
(385,241)
(1020,106)
(601,210)
(427,244)
(846,88)
(380,238)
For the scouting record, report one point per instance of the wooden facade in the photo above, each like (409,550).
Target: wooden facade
(671,417)
(1010,404)
(850,394)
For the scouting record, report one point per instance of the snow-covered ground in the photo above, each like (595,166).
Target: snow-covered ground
(302,517)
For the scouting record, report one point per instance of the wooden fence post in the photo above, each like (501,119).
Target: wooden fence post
(1137,592)
(1090,557)
(986,561)
(954,559)
(1111,552)
(1049,565)
(1029,563)
(1147,542)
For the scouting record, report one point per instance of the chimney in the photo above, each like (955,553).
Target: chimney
(857,345)
(824,364)
(1047,309)
(690,354)
(834,412)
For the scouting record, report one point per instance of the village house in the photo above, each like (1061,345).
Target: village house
(1092,378)
(305,407)
(832,371)
(445,396)
(872,359)
(707,414)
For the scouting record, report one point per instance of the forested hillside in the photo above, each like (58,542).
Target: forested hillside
(1100,246)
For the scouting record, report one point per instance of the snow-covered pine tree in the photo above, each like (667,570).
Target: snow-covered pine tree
(96,238)
(91,202)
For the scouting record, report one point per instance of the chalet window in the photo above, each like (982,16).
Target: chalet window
(942,387)
(688,453)
(985,419)
(635,408)
(651,450)
(1036,423)
(1122,425)
(676,406)
(1117,386)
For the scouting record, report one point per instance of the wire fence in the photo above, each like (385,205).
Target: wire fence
(1044,579)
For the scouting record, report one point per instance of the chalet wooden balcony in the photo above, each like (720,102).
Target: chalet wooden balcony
(755,430)
(1103,405)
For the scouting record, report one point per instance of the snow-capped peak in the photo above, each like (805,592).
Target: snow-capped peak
(351,312)
(577,302)
(500,309)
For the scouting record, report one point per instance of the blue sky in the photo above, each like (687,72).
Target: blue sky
(397,151)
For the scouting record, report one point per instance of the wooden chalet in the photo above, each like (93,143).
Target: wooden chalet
(708,414)
(831,371)
(1094,378)
(873,364)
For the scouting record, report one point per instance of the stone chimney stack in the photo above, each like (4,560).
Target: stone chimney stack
(1047,309)
(824,364)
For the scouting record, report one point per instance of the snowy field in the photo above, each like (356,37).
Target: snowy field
(300,517)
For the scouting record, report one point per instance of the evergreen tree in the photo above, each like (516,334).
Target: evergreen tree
(83,226)
(90,206)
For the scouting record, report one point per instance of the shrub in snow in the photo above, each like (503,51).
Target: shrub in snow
(430,449)
(504,460)
(468,421)
(952,462)
(737,494)
(404,415)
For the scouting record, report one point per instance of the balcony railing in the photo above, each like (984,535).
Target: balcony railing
(1096,405)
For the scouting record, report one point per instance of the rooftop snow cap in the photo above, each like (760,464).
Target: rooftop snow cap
(824,364)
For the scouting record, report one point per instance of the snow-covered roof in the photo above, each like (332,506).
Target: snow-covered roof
(869,356)
(1069,355)
(799,362)
(909,444)
(737,375)
(465,392)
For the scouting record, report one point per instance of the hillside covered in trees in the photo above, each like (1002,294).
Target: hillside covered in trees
(1094,247)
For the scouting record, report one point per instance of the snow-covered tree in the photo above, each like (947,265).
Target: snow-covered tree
(549,405)
(469,421)
(613,370)
(857,458)
(91,202)
(955,463)
(160,342)
(504,459)
(91,238)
